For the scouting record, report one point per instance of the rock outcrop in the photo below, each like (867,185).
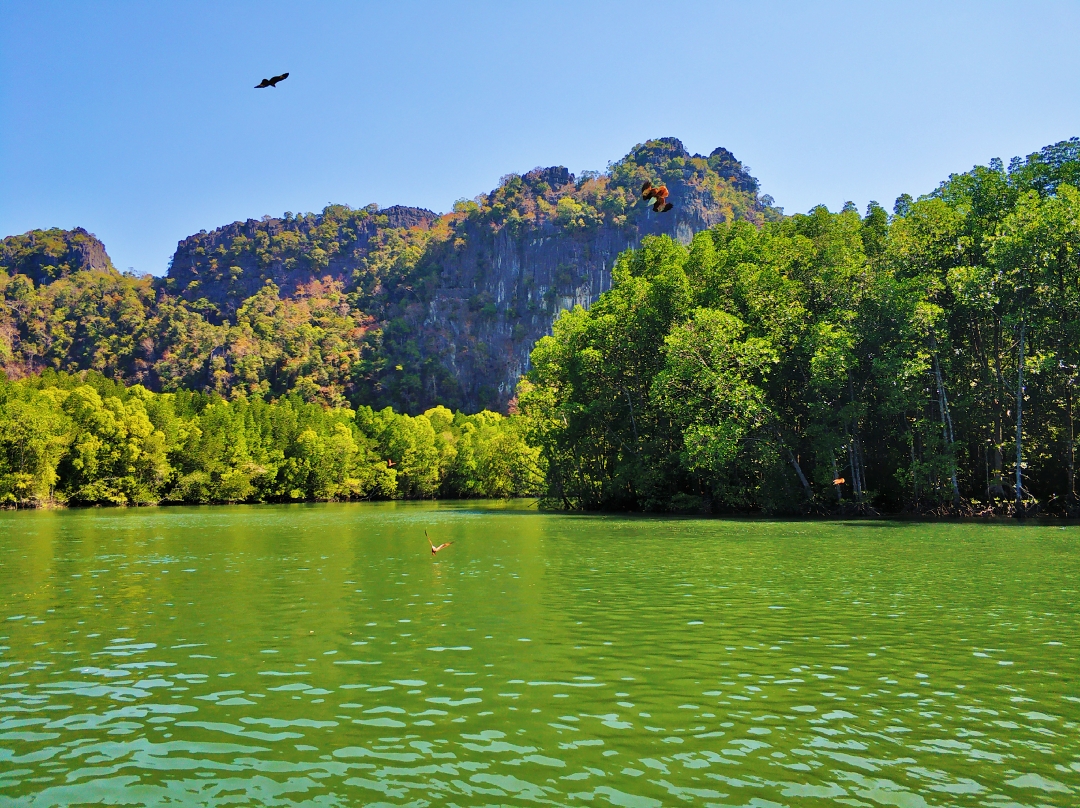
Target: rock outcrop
(48,255)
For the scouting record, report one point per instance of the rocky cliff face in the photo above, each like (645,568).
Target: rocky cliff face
(462,297)
(501,292)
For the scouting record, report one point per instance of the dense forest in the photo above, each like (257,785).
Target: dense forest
(923,362)
(84,439)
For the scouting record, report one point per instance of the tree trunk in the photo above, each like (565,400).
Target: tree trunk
(858,478)
(997,487)
(914,462)
(999,456)
(861,462)
(851,470)
(946,423)
(802,477)
(836,476)
(1019,421)
(855,454)
(1072,443)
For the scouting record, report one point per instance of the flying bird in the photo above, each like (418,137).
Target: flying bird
(659,195)
(435,549)
(838,481)
(271,82)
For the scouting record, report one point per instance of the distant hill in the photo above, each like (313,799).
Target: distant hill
(48,255)
(398,306)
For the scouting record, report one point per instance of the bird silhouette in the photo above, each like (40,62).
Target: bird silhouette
(273,82)
(659,195)
(435,549)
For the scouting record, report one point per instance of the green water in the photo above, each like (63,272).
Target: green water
(319,656)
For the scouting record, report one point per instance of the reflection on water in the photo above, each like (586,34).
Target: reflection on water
(319,656)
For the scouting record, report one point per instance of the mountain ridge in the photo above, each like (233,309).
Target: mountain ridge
(397,305)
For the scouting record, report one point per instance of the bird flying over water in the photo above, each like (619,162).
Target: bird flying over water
(659,195)
(273,82)
(435,549)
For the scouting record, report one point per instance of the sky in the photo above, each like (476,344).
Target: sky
(139,122)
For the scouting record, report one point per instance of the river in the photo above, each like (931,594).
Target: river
(319,655)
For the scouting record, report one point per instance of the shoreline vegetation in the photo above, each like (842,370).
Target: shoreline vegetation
(83,439)
(918,363)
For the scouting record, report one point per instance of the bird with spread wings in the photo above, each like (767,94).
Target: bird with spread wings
(659,195)
(271,82)
(435,549)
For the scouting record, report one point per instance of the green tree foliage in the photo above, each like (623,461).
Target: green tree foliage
(84,439)
(34,436)
(116,455)
(928,361)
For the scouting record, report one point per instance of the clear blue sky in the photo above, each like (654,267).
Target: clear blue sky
(138,121)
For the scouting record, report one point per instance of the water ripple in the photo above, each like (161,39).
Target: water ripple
(317,659)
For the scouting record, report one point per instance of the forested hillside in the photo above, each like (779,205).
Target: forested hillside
(397,306)
(923,362)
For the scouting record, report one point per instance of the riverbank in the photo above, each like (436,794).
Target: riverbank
(1002,515)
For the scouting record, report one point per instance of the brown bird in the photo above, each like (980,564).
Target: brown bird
(435,549)
(271,82)
(659,195)
(390,463)
(838,481)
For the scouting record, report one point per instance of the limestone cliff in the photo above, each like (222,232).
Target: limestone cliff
(504,279)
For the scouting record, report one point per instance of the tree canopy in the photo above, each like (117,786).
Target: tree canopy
(84,439)
(923,362)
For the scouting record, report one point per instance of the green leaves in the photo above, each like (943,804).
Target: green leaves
(710,387)
(87,440)
(33,438)
(754,369)
(116,456)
